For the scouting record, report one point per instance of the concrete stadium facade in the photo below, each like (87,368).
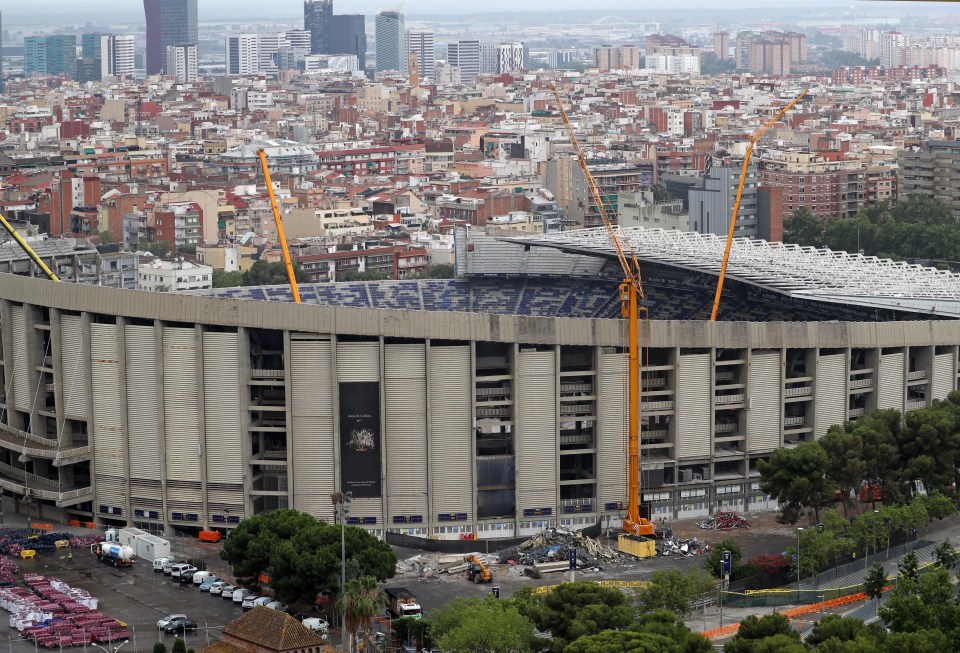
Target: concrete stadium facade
(177,412)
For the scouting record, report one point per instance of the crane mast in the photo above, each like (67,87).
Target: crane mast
(281,236)
(631,298)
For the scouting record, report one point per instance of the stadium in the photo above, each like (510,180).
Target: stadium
(486,406)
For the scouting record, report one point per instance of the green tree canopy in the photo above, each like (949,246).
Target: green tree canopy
(845,629)
(490,625)
(223,279)
(714,560)
(674,590)
(302,554)
(263,273)
(926,603)
(573,610)
(875,581)
(796,478)
(620,641)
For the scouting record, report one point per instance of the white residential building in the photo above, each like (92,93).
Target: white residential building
(182,62)
(173,276)
(511,57)
(117,56)
(242,52)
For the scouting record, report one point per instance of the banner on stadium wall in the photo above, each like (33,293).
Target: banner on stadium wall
(360,439)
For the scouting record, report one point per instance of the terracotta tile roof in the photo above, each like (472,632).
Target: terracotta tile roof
(272,629)
(222,647)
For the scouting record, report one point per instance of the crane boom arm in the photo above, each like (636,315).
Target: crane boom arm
(631,296)
(291,275)
(736,204)
(25,246)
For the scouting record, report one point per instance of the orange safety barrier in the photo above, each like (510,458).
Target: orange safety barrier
(721,632)
(73,522)
(37,526)
(90,524)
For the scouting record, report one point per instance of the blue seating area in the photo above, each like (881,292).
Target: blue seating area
(688,297)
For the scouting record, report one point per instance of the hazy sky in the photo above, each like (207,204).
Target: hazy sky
(39,11)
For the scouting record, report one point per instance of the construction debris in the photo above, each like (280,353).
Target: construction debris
(553,546)
(684,548)
(724,521)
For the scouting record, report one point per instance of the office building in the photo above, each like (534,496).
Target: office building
(318,20)
(169,22)
(349,37)
(932,170)
(298,38)
(242,53)
(390,33)
(711,204)
(182,63)
(117,55)
(465,55)
(721,45)
(511,57)
(421,42)
(50,55)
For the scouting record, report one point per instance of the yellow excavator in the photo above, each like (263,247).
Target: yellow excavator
(477,572)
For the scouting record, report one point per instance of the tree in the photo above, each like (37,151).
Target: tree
(159,647)
(619,641)
(944,555)
(909,567)
(361,600)
(844,629)
(302,554)
(923,604)
(803,228)
(179,646)
(814,553)
(796,478)
(411,629)
(922,641)
(572,610)
(223,279)
(669,625)
(160,249)
(771,632)
(845,467)
(438,271)
(660,193)
(263,273)
(376,274)
(875,581)
(489,625)
(714,560)
(674,590)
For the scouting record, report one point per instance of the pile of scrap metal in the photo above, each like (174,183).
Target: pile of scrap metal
(684,548)
(550,550)
(724,521)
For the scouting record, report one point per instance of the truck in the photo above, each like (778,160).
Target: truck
(402,603)
(119,555)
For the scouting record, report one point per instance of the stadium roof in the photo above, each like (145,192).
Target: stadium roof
(801,272)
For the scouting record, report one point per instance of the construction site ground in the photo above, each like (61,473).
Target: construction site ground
(433,590)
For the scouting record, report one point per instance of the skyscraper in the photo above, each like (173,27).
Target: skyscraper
(50,55)
(243,54)
(465,55)
(318,20)
(181,62)
(117,58)
(169,22)
(349,36)
(2,80)
(421,42)
(391,49)
(511,57)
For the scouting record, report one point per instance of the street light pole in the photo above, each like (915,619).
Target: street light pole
(341,502)
(799,530)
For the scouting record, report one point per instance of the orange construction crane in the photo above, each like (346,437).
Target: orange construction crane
(736,204)
(280,235)
(631,296)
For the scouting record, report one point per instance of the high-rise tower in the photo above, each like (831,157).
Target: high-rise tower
(318,20)
(391,49)
(169,22)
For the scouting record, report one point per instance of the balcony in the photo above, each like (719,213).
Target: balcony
(916,404)
(655,406)
(17,440)
(857,384)
(571,439)
(857,412)
(568,410)
(725,428)
(266,374)
(802,391)
(794,422)
(654,382)
(728,399)
(916,375)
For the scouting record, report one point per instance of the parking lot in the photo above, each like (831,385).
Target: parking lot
(137,596)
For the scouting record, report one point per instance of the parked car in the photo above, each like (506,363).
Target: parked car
(240,594)
(210,582)
(185,574)
(277,605)
(316,624)
(163,621)
(159,563)
(201,576)
(263,600)
(299,616)
(248,601)
(227,591)
(217,587)
(180,626)
(168,567)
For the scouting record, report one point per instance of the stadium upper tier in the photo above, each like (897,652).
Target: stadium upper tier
(822,275)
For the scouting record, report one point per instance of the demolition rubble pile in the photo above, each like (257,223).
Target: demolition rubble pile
(672,546)
(550,550)
(724,521)
(429,567)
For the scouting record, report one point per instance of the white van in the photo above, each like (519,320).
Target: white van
(159,563)
(201,576)
(176,570)
(240,594)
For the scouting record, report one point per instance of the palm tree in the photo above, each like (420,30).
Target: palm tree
(361,600)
